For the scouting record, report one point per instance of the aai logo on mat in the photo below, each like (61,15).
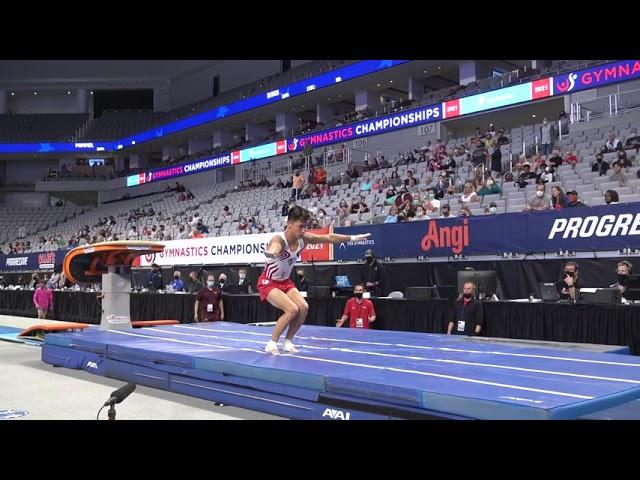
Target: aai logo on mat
(9,414)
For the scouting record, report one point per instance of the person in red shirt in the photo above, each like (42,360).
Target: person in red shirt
(209,305)
(359,311)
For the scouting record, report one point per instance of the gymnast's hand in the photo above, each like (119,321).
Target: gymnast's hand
(362,236)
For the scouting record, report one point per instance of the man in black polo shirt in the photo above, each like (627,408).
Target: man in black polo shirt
(570,283)
(469,319)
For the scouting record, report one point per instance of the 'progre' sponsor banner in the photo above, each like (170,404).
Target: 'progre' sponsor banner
(32,261)
(580,229)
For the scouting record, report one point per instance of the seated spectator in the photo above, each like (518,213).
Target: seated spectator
(539,201)
(365,185)
(556,160)
(492,209)
(379,183)
(320,176)
(325,190)
(431,204)
(623,160)
(279,183)
(526,175)
(420,214)
(353,172)
(558,198)
(612,144)
(572,195)
(545,175)
(446,211)
(359,206)
(465,211)
(392,216)
(538,162)
(611,197)
(618,175)
(244,223)
(263,182)
(600,165)
(468,195)
(633,141)
(489,187)
(395,180)
(383,163)
(571,159)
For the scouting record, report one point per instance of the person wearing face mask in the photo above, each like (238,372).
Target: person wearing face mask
(469,317)
(373,273)
(177,283)
(546,174)
(570,284)
(154,280)
(539,201)
(358,310)
(623,270)
(209,307)
(222,282)
(600,165)
(492,209)
(302,284)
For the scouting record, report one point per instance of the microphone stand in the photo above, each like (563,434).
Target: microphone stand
(112,411)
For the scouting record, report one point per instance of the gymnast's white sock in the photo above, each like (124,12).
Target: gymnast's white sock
(288,346)
(272,347)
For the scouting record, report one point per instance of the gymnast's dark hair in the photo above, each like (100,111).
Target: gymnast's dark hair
(298,213)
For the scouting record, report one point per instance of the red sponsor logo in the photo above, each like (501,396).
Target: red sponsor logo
(141,178)
(317,252)
(453,237)
(541,88)
(452,108)
(281,147)
(235,157)
(46,258)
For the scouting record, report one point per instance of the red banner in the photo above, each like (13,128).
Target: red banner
(318,253)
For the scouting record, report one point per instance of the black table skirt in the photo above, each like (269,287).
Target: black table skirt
(612,325)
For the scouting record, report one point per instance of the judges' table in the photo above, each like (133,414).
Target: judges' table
(601,324)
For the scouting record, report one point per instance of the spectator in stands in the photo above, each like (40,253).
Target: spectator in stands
(623,270)
(182,233)
(384,163)
(526,175)
(547,136)
(201,227)
(468,195)
(365,184)
(600,165)
(556,160)
(195,233)
(496,159)
(324,220)
(633,141)
(177,283)
(296,188)
(465,211)
(133,233)
(360,311)
(611,197)
(618,175)
(569,284)
(479,154)
(359,206)
(320,176)
(392,216)
(289,183)
(571,159)
(446,212)
(189,196)
(489,187)
(279,183)
(209,306)
(42,299)
(613,143)
(492,209)
(468,313)
(572,196)
(431,203)
(623,160)
(353,172)
(558,198)
(263,182)
(395,180)
(538,201)
(420,214)
(154,279)
(545,175)
(195,285)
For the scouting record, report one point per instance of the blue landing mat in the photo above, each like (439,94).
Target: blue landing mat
(400,369)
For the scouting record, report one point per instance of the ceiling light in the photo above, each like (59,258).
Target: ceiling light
(68,92)
(35,93)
